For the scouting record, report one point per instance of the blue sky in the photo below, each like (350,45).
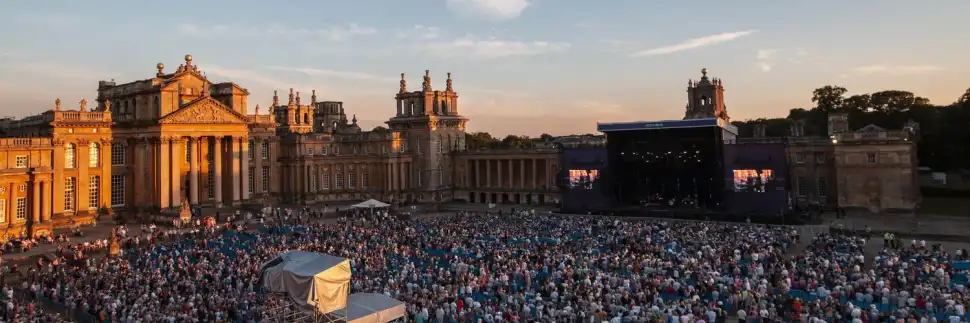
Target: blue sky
(520,66)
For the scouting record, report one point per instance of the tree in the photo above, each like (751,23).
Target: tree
(379,129)
(965,98)
(479,140)
(546,137)
(828,98)
(516,142)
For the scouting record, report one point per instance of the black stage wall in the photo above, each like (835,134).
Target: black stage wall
(755,178)
(667,164)
(583,185)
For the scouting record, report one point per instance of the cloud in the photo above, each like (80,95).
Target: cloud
(327,73)
(897,69)
(332,33)
(244,77)
(766,59)
(492,48)
(694,43)
(47,20)
(600,108)
(419,32)
(496,10)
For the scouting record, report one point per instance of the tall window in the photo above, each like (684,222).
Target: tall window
(21,208)
(871,158)
(212,183)
(70,156)
(117,189)
(69,193)
(252,151)
(800,185)
(94,155)
(313,179)
(94,192)
(363,180)
(265,150)
(3,211)
(265,178)
(799,158)
(252,183)
(326,181)
(21,161)
(188,150)
(821,187)
(325,150)
(351,180)
(117,155)
(339,181)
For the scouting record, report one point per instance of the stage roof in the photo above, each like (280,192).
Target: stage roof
(309,279)
(666,124)
(373,308)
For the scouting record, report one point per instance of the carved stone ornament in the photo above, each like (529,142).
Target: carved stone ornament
(206,113)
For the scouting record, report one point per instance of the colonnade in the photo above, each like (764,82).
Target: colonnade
(347,176)
(509,173)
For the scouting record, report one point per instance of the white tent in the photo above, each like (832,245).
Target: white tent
(309,279)
(373,308)
(371,203)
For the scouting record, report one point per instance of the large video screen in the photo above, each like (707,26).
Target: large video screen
(753,180)
(583,178)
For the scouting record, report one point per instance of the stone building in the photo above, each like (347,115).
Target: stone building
(520,176)
(151,145)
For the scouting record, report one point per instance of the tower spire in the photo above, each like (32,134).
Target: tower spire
(291,97)
(276,98)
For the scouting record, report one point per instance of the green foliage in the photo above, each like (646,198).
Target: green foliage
(944,130)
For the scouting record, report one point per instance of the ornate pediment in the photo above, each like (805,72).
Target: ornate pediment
(204,111)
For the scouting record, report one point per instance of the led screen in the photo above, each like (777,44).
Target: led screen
(583,178)
(752,180)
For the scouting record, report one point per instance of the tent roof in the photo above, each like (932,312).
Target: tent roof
(370,203)
(305,263)
(373,307)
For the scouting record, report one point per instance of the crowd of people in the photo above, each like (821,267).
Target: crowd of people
(508,266)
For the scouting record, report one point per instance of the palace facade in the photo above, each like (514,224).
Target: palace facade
(149,146)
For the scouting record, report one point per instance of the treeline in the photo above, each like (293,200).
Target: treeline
(944,130)
(484,140)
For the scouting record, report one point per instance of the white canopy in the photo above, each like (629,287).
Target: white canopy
(309,279)
(371,203)
(373,308)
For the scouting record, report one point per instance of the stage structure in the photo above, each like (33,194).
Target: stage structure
(667,164)
(582,180)
(757,172)
(314,287)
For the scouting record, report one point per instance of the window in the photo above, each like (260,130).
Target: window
(265,178)
(69,187)
(118,155)
(822,187)
(363,180)
(117,189)
(339,181)
(871,158)
(351,180)
(310,151)
(94,192)
(252,181)
(313,179)
(384,150)
(800,185)
(3,211)
(799,158)
(94,155)
(437,142)
(252,152)
(70,154)
(188,151)
(21,208)
(265,150)
(820,158)
(326,182)
(21,161)
(404,146)
(212,182)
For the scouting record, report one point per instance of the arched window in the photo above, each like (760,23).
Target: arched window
(94,155)
(70,156)
(704,100)
(306,118)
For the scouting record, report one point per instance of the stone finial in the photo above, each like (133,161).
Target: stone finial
(83,104)
(427,81)
(404,84)
(57,104)
(448,84)
(257,109)
(354,120)
(297,98)
(276,98)
(188,60)
(291,96)
(704,72)
(313,97)
(161,69)
(107,105)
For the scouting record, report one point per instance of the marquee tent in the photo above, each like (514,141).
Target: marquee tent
(371,203)
(373,308)
(309,279)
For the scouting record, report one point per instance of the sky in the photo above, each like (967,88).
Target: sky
(521,67)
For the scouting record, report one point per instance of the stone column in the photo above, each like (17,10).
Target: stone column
(164,169)
(217,167)
(549,175)
(405,181)
(244,172)
(48,203)
(535,173)
(139,175)
(511,173)
(194,143)
(235,142)
(473,168)
(176,165)
(498,173)
(106,174)
(82,185)
(258,168)
(522,173)
(488,172)
(35,196)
